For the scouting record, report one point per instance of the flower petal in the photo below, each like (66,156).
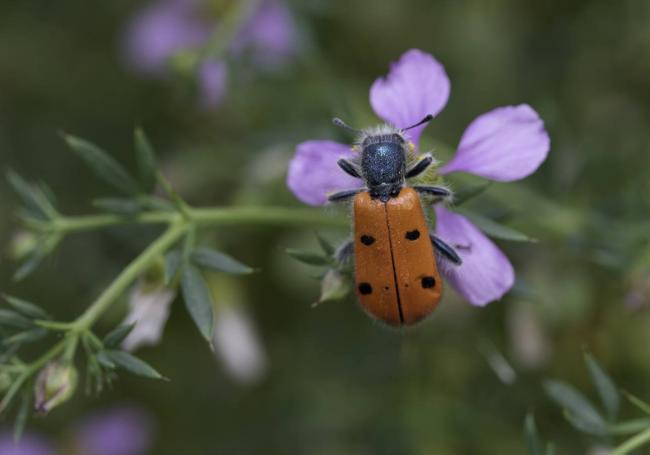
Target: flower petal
(149,310)
(161,30)
(123,430)
(212,81)
(486,273)
(270,33)
(415,86)
(505,144)
(313,171)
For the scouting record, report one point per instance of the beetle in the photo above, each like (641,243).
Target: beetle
(396,271)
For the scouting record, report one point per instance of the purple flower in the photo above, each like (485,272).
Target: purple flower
(120,431)
(168,27)
(123,430)
(28,445)
(505,144)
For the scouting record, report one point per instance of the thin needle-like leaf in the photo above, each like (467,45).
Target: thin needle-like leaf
(197,300)
(102,164)
(605,386)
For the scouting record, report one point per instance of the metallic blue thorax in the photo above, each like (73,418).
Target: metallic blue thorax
(383,164)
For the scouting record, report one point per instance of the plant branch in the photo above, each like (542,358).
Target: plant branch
(633,443)
(212,216)
(128,276)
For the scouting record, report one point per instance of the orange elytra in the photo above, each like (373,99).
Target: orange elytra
(396,273)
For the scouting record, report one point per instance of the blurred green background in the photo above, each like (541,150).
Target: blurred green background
(338,383)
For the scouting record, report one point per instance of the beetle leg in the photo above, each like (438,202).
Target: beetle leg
(446,250)
(419,167)
(344,195)
(348,168)
(439,192)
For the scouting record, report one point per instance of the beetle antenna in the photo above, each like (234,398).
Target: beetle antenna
(426,119)
(341,124)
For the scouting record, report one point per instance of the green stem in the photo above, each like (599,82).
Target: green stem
(180,204)
(276,216)
(213,216)
(128,276)
(71,224)
(179,225)
(633,443)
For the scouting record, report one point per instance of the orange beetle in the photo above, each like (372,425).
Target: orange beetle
(396,273)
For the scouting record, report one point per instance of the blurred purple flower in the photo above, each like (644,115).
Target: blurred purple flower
(213,77)
(160,31)
(124,430)
(29,444)
(270,35)
(505,144)
(168,27)
(120,431)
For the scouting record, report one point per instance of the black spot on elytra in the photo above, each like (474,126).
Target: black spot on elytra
(428,282)
(412,235)
(365,288)
(367,239)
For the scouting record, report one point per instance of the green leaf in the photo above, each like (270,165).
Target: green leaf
(579,411)
(605,386)
(29,336)
(325,245)
(8,397)
(117,335)
(118,206)
(28,309)
(102,164)
(308,258)
(146,161)
(212,259)
(173,262)
(469,192)
(638,402)
(9,318)
(104,360)
(533,441)
(197,300)
(23,414)
(28,195)
(132,364)
(496,230)
(29,265)
(630,426)
(155,203)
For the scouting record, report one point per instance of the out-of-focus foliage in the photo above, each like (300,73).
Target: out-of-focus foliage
(333,381)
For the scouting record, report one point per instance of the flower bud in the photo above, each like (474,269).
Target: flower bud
(154,276)
(55,384)
(334,286)
(22,245)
